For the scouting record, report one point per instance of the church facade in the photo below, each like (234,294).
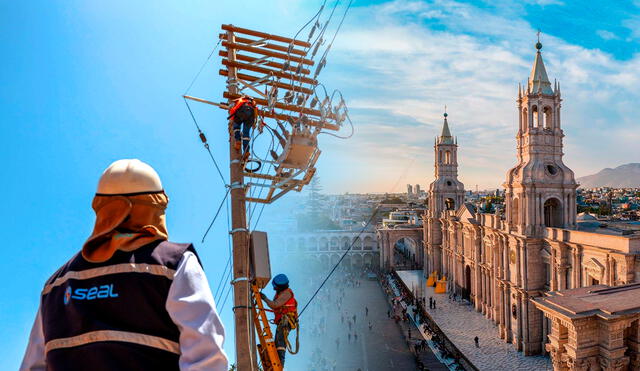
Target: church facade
(502,263)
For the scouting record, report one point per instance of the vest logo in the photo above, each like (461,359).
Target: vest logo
(92,293)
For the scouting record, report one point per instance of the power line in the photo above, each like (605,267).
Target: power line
(352,243)
(340,260)
(203,138)
(216,216)
(202,68)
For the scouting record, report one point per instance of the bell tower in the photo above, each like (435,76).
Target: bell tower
(446,192)
(540,189)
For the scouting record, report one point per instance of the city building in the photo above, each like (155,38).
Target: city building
(508,262)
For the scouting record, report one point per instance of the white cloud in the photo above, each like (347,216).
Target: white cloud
(405,72)
(607,35)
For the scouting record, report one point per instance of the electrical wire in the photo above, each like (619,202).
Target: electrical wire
(340,260)
(202,67)
(216,216)
(225,279)
(375,211)
(215,295)
(337,30)
(206,145)
(317,15)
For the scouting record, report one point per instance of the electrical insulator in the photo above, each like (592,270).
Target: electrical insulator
(325,102)
(300,99)
(314,101)
(315,48)
(313,30)
(288,97)
(285,66)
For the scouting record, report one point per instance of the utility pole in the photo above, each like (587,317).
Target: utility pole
(240,235)
(284,93)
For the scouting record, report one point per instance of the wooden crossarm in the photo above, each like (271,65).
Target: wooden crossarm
(279,84)
(264,35)
(262,51)
(280,66)
(278,73)
(281,48)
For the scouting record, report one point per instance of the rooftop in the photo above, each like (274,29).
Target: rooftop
(601,300)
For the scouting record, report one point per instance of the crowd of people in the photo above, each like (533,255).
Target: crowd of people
(333,326)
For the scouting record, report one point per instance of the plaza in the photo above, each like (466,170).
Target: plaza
(461,323)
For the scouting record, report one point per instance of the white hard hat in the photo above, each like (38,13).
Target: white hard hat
(129,176)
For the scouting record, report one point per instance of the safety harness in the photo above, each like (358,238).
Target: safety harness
(286,318)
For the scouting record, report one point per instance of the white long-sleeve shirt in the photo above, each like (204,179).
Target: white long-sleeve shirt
(191,307)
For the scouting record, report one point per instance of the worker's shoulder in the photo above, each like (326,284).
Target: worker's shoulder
(64,268)
(170,253)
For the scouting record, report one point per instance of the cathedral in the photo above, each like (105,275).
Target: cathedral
(507,265)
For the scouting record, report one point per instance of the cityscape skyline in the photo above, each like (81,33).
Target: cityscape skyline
(409,59)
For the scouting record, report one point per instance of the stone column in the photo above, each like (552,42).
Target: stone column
(555,347)
(507,313)
(520,321)
(562,277)
(552,266)
(477,287)
(612,345)
(483,285)
(501,311)
(518,264)
(577,268)
(633,343)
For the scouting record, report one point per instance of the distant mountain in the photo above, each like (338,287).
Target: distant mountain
(624,176)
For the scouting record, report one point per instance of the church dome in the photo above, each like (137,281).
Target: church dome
(585,217)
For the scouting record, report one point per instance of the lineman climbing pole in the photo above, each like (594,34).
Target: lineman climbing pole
(275,72)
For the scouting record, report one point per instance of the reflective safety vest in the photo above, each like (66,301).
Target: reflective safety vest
(291,306)
(111,315)
(241,102)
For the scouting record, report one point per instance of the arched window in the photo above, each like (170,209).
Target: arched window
(450,204)
(552,213)
(525,119)
(447,157)
(547,117)
(534,114)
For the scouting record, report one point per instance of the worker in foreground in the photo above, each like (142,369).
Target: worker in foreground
(285,308)
(129,300)
(243,113)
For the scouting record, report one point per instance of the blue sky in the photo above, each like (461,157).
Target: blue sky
(86,83)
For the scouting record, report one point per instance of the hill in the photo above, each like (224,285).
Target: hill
(624,176)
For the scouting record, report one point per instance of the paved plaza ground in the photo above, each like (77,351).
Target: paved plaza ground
(381,348)
(461,323)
